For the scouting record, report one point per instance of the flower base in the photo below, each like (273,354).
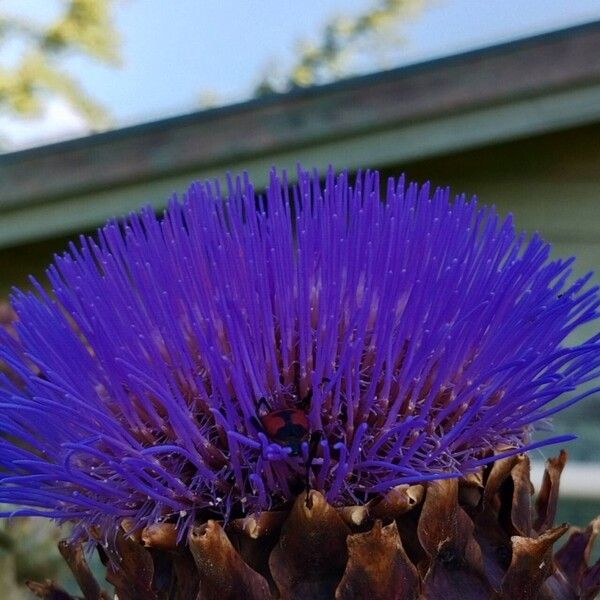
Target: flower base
(477,538)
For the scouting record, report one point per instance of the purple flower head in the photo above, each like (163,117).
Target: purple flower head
(421,336)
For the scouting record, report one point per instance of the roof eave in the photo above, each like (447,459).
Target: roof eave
(528,87)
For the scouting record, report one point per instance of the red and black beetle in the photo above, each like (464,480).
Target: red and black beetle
(289,428)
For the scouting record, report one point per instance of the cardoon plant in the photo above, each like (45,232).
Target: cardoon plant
(314,393)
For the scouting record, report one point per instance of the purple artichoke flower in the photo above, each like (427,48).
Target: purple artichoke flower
(421,336)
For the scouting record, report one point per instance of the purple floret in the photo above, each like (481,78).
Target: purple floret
(421,336)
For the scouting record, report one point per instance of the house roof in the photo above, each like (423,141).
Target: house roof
(518,89)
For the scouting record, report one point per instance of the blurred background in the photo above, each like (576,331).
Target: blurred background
(106,105)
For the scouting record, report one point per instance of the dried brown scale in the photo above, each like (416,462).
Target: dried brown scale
(255,537)
(223,573)
(378,567)
(547,498)
(162,536)
(185,578)
(311,554)
(589,585)
(531,565)
(573,560)
(455,568)
(358,518)
(468,539)
(131,531)
(48,591)
(75,558)
(499,472)
(520,513)
(396,502)
(496,548)
(558,588)
(133,576)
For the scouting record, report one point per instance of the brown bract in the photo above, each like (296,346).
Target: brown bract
(573,560)
(222,572)
(309,558)
(162,536)
(455,561)
(477,538)
(75,558)
(378,567)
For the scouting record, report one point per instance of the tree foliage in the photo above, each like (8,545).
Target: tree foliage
(344,42)
(31,55)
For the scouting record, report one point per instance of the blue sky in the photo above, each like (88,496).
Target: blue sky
(174,50)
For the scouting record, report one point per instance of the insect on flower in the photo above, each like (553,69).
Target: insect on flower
(289,428)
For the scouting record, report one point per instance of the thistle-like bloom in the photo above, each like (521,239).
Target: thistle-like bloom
(421,336)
